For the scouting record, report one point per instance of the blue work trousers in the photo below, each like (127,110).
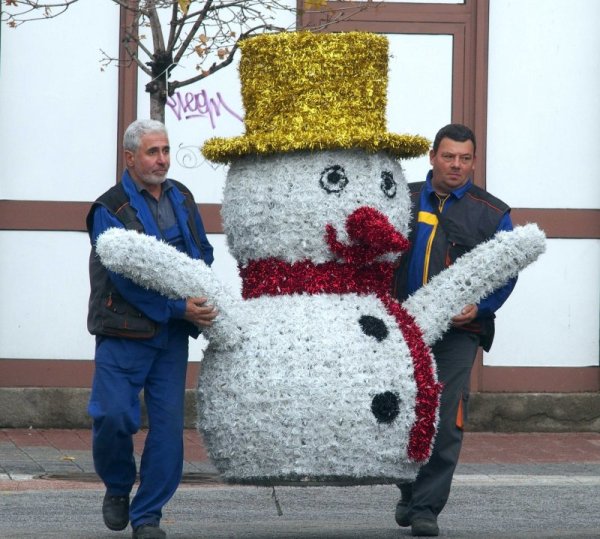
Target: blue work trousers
(123,367)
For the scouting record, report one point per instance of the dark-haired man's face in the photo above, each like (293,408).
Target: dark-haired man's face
(453,164)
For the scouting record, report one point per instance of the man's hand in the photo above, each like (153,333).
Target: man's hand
(199,312)
(468,314)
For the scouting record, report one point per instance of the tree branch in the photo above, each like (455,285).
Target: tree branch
(16,19)
(154,20)
(216,67)
(173,34)
(197,24)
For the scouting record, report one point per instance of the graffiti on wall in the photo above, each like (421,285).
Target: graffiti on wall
(199,105)
(193,105)
(190,156)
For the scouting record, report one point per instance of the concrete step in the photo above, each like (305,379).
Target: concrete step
(488,412)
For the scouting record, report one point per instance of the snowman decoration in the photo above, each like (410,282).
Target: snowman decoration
(318,375)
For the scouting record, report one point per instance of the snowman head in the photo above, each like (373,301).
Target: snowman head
(317,206)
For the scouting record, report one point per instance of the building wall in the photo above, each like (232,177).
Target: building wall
(543,117)
(59,134)
(58,130)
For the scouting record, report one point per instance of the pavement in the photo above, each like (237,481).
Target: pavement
(506,486)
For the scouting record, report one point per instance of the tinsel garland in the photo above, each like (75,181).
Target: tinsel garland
(428,389)
(314,91)
(223,150)
(273,277)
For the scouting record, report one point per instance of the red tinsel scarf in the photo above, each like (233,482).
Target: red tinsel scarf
(359,274)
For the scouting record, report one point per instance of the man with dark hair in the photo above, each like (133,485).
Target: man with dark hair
(450,216)
(456,132)
(142,337)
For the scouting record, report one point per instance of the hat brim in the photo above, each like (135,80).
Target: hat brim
(224,150)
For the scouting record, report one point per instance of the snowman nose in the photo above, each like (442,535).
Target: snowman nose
(385,406)
(371,235)
(368,226)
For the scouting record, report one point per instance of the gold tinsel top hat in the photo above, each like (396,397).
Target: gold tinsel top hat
(309,91)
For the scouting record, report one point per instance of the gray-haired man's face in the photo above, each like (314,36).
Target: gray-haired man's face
(150,163)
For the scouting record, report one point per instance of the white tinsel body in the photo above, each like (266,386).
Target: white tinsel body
(289,398)
(294,403)
(156,265)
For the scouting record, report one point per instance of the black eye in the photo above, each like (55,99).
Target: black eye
(388,184)
(374,327)
(333,179)
(385,406)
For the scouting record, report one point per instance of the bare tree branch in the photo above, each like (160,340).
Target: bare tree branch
(208,30)
(215,67)
(192,33)
(30,10)
(157,37)
(173,26)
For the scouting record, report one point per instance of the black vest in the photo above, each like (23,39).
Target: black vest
(469,221)
(108,313)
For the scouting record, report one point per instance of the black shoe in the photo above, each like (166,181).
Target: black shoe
(148,531)
(402,514)
(115,511)
(425,527)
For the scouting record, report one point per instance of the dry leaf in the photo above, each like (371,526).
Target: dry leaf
(184,5)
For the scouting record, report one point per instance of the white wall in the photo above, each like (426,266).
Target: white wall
(419,90)
(44,288)
(58,110)
(58,117)
(543,140)
(552,317)
(58,130)
(544,103)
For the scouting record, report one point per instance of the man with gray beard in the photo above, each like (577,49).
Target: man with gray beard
(142,337)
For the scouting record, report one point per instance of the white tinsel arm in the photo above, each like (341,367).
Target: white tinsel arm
(157,266)
(472,277)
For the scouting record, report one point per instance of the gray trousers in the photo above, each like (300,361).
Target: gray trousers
(454,356)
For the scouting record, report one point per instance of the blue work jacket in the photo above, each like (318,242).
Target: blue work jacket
(164,311)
